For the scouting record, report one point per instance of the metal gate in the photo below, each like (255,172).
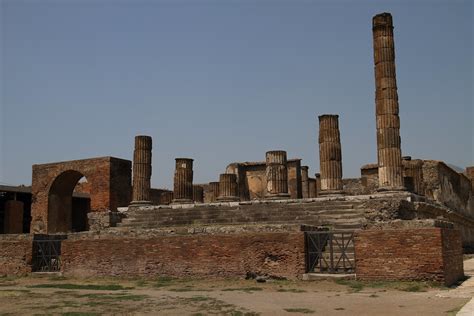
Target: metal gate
(47,253)
(330,251)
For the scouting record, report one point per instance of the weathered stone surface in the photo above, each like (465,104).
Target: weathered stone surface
(142,170)
(276,174)
(183,181)
(198,194)
(330,156)
(305,182)
(390,169)
(312,190)
(228,190)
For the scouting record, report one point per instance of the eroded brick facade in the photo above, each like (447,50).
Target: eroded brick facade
(275,254)
(425,254)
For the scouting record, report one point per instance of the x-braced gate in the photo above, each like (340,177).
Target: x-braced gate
(330,251)
(47,253)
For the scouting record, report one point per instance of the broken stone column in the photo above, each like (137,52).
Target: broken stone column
(198,194)
(330,156)
(183,181)
(413,175)
(276,174)
(312,188)
(389,153)
(228,190)
(318,183)
(213,191)
(305,181)
(142,170)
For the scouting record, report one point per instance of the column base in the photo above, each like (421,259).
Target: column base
(331,193)
(390,189)
(278,196)
(228,199)
(182,201)
(140,203)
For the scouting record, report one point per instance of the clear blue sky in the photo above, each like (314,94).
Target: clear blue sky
(224,81)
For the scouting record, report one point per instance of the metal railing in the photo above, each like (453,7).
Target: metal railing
(330,251)
(47,253)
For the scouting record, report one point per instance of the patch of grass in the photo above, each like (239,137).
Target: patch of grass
(291,290)
(243,289)
(70,286)
(199,298)
(373,295)
(340,309)
(141,283)
(79,314)
(7,284)
(114,297)
(57,278)
(163,281)
(299,310)
(356,286)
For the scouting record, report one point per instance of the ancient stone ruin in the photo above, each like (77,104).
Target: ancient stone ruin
(265,218)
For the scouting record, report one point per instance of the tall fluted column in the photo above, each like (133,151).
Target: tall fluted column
(276,174)
(198,194)
(183,181)
(213,191)
(389,152)
(228,190)
(305,182)
(330,156)
(142,170)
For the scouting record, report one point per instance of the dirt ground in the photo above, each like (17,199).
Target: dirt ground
(54,295)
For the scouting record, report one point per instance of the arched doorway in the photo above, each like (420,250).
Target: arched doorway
(66,212)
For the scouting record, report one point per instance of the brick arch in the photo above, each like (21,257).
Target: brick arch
(60,201)
(53,184)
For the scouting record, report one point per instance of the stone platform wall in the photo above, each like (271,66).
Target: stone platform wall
(431,254)
(276,254)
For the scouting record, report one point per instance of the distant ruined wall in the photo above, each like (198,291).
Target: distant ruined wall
(448,187)
(252,180)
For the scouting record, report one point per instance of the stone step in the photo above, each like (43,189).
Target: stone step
(188,223)
(211,213)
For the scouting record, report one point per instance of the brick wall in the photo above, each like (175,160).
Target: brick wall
(52,186)
(15,255)
(433,254)
(276,254)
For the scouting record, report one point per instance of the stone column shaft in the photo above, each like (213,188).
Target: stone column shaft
(305,182)
(228,190)
(318,183)
(214,191)
(330,155)
(198,194)
(183,181)
(277,174)
(142,170)
(312,188)
(389,153)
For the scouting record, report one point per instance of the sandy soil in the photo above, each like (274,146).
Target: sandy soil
(52,295)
